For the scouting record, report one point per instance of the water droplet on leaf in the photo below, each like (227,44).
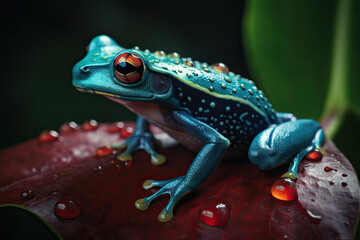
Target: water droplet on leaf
(68,127)
(314,155)
(104,151)
(67,208)
(28,194)
(216,213)
(284,189)
(48,136)
(90,125)
(126,132)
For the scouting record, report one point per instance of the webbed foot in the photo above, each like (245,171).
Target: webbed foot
(144,141)
(176,188)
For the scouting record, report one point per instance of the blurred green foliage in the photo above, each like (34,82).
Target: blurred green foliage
(305,55)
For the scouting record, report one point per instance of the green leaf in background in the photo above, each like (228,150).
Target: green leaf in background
(306,57)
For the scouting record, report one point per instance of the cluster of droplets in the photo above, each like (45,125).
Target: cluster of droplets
(285,188)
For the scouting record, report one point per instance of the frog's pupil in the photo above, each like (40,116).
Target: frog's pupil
(128,68)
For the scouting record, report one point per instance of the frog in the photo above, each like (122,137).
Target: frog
(207,108)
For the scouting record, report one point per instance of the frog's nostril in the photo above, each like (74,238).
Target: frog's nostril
(85,69)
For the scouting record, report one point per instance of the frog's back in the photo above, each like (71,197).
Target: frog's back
(229,103)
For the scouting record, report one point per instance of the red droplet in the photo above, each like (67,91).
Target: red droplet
(344,184)
(313,200)
(28,194)
(127,163)
(126,132)
(104,151)
(68,127)
(115,128)
(284,189)
(90,125)
(48,136)
(328,169)
(344,175)
(331,183)
(215,213)
(67,208)
(314,155)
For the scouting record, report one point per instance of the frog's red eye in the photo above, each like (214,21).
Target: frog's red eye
(128,68)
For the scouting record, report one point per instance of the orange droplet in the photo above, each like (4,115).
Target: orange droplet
(104,151)
(314,155)
(48,136)
(215,213)
(284,189)
(90,125)
(220,67)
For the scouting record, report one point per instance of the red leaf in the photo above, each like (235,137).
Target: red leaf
(68,168)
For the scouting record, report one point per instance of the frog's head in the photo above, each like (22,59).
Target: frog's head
(110,70)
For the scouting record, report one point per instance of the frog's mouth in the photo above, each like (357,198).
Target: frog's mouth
(82,89)
(106,94)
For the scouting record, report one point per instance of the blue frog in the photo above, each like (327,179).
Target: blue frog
(204,107)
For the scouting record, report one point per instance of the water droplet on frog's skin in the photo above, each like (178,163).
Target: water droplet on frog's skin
(28,194)
(215,213)
(344,184)
(344,175)
(67,208)
(104,151)
(90,125)
(314,155)
(220,67)
(126,132)
(68,127)
(115,128)
(284,189)
(48,136)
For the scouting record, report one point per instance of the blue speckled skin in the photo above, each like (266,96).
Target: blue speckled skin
(210,111)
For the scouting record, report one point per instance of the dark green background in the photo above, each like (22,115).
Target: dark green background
(42,40)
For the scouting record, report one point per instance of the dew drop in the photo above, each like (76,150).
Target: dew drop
(90,125)
(314,155)
(284,189)
(28,194)
(115,128)
(68,127)
(220,67)
(331,183)
(104,151)
(328,169)
(215,213)
(48,136)
(126,132)
(344,184)
(67,208)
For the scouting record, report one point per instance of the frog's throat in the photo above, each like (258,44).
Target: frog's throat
(106,94)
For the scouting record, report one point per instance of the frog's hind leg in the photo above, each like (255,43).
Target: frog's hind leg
(291,139)
(142,138)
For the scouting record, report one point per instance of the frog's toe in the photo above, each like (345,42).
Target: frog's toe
(157,159)
(124,157)
(166,215)
(175,187)
(153,183)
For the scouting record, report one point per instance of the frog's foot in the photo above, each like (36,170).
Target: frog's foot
(144,141)
(176,188)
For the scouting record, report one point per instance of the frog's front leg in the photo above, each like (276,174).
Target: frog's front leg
(203,165)
(292,139)
(142,138)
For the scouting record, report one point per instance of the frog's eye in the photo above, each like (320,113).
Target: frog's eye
(128,68)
